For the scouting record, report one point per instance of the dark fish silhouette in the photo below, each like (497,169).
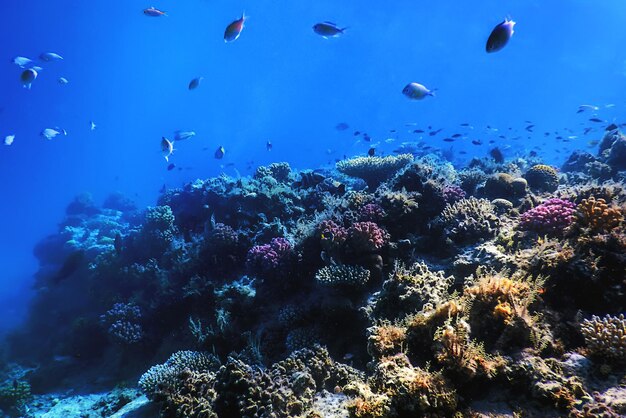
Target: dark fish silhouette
(371,152)
(171,167)
(497,156)
(500,36)
(118,244)
(70,266)
(342,126)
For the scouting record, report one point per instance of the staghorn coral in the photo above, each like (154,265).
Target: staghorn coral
(551,217)
(408,290)
(342,276)
(542,178)
(165,377)
(597,215)
(606,337)
(468,220)
(374,170)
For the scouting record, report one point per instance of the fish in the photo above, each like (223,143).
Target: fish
(448,139)
(367,138)
(92,125)
(466,125)
(183,135)
(416,91)
(118,244)
(597,120)
(477,142)
(8,140)
(389,140)
(587,130)
(193,84)
(328,30)
(50,133)
(342,126)
(50,56)
(371,152)
(28,76)
(309,179)
(529,128)
(69,266)
(268,145)
(593,143)
(497,155)
(433,133)
(154,12)
(167,148)
(234,29)
(418,131)
(219,153)
(583,108)
(457,136)
(62,80)
(500,36)
(23,62)
(171,166)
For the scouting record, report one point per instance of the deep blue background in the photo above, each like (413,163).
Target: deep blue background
(129,74)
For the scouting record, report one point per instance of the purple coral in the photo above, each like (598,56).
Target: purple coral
(366,236)
(222,237)
(551,217)
(121,321)
(372,212)
(270,256)
(452,194)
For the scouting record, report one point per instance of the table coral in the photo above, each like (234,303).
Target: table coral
(374,170)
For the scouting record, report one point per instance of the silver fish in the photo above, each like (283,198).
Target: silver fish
(50,56)
(182,135)
(416,91)
(23,62)
(62,80)
(8,140)
(50,133)
(167,148)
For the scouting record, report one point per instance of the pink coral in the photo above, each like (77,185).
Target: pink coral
(270,256)
(372,212)
(550,217)
(366,236)
(331,234)
(453,194)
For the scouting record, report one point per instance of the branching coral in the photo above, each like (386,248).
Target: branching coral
(606,336)
(268,257)
(164,377)
(597,215)
(342,276)
(410,289)
(469,220)
(366,237)
(551,217)
(374,170)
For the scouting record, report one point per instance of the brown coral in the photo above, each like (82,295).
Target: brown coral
(385,339)
(597,215)
(542,178)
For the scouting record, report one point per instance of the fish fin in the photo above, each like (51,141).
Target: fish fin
(167,158)
(342,30)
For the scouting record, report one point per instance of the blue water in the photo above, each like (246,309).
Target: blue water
(281,82)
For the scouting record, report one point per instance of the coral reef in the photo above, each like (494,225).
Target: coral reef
(606,337)
(469,220)
(551,217)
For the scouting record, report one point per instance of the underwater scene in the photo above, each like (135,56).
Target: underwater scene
(313,209)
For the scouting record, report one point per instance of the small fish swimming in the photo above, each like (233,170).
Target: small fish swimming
(23,62)
(367,138)
(597,120)
(497,155)
(433,133)
(154,12)
(51,133)
(448,140)
(62,80)
(171,166)
(193,84)
(234,29)
(371,152)
(357,133)
(28,76)
(477,142)
(8,140)
(342,126)
(220,152)
(183,135)
(268,145)
(500,36)
(167,148)
(457,136)
(417,91)
(328,30)
(583,108)
(50,56)
(92,125)
(529,128)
